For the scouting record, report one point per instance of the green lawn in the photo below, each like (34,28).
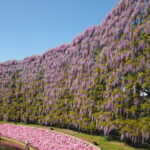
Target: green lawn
(102,142)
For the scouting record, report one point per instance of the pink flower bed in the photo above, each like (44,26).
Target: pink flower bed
(44,139)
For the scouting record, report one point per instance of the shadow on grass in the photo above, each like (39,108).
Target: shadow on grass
(116,138)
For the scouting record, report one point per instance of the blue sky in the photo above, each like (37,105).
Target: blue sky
(29,27)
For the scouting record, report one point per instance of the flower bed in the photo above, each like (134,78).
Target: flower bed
(44,139)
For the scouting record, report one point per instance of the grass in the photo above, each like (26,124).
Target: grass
(100,140)
(14,143)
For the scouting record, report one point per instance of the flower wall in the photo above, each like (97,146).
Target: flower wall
(98,83)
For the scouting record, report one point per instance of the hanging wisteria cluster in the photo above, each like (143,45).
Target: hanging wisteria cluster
(99,82)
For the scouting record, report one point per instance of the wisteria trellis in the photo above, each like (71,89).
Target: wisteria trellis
(99,82)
